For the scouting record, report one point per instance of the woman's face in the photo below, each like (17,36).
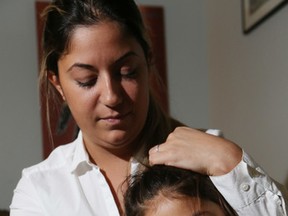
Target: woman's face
(184,206)
(103,77)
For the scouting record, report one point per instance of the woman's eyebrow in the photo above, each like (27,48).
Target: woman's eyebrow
(93,69)
(82,66)
(126,55)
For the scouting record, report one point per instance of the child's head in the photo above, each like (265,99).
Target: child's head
(164,190)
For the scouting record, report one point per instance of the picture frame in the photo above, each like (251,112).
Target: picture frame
(254,12)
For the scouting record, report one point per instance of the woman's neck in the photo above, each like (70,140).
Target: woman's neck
(115,166)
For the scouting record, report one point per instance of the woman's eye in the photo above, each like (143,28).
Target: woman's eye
(87,84)
(129,74)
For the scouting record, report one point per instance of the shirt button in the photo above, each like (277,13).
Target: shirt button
(245,187)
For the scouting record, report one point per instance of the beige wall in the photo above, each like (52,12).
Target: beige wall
(248,81)
(19,110)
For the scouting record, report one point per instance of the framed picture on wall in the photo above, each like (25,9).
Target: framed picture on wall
(255,12)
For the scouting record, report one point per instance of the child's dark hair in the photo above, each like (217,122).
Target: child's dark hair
(172,183)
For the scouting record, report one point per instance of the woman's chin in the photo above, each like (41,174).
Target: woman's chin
(119,140)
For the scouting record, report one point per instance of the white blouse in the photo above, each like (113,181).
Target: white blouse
(67,183)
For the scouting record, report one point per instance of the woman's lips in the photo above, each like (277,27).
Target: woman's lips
(115,118)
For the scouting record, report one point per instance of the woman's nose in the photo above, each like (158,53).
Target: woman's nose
(111,92)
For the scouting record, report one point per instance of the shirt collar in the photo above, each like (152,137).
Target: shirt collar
(80,156)
(81,162)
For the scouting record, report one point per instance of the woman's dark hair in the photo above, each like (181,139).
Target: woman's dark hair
(62,17)
(172,183)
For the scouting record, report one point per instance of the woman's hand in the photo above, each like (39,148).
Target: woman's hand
(192,149)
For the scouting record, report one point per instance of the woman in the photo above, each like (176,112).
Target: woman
(97,55)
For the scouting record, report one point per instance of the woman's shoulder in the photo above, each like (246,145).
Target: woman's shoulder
(59,157)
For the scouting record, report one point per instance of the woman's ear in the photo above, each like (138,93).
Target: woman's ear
(54,79)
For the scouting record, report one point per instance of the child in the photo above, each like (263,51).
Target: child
(165,190)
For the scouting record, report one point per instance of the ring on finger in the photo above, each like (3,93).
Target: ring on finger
(157,148)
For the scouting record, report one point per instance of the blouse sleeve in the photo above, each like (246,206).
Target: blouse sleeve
(25,199)
(250,191)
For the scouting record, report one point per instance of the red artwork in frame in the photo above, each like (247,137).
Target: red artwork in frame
(154,18)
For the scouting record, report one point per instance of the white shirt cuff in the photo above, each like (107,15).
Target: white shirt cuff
(244,184)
